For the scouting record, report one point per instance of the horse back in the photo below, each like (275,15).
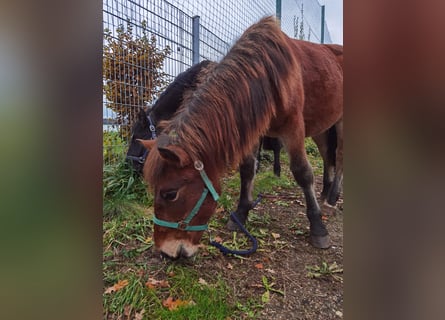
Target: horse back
(322,75)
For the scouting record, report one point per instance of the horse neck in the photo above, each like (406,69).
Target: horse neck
(228,126)
(170,101)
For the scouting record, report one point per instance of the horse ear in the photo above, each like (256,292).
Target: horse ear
(172,152)
(148,144)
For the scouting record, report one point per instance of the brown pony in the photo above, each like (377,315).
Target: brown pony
(266,84)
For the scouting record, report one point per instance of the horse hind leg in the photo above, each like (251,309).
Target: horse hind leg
(303,174)
(335,189)
(326,148)
(247,174)
(276,157)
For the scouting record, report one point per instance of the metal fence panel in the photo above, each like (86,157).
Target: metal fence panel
(220,24)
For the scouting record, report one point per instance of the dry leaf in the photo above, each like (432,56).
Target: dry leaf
(171,274)
(259,266)
(139,315)
(202,281)
(219,210)
(174,304)
(275,235)
(229,266)
(218,239)
(127,310)
(270,270)
(153,283)
(117,286)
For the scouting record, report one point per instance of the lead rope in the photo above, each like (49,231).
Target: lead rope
(224,250)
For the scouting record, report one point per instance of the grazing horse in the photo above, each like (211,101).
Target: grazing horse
(146,127)
(267,84)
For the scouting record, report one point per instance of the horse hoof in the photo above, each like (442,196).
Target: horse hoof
(322,242)
(232,226)
(329,209)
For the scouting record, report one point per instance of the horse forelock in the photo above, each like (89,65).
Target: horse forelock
(223,118)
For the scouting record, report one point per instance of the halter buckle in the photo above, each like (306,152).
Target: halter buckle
(182,225)
(152,128)
(199,165)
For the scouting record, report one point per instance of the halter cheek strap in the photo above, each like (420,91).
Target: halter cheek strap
(184,224)
(152,128)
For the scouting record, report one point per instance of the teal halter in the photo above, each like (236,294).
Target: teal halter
(184,224)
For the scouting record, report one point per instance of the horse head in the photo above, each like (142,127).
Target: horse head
(185,195)
(142,130)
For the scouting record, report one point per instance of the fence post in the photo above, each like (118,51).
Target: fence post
(278,11)
(195,39)
(322,23)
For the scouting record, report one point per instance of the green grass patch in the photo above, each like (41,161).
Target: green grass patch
(324,270)
(203,299)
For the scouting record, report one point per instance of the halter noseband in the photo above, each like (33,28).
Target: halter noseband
(184,224)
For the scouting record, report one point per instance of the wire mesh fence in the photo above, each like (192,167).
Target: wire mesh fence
(150,42)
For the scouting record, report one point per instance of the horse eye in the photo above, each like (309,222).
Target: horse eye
(170,195)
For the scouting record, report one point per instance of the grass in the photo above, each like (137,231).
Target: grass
(127,235)
(203,299)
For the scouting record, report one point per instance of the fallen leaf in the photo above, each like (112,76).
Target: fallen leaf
(202,281)
(127,310)
(218,239)
(139,315)
(171,274)
(148,239)
(229,266)
(117,286)
(270,270)
(259,266)
(153,283)
(265,297)
(171,304)
(275,235)
(219,210)
(205,253)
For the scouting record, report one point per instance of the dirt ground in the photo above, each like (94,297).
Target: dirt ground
(283,257)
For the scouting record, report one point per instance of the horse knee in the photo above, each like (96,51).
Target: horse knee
(303,174)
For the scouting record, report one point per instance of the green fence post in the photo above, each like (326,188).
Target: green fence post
(195,40)
(278,11)
(322,23)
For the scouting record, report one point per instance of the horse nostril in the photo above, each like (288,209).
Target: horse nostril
(183,253)
(167,256)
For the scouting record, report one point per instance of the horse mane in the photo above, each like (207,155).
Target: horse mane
(221,121)
(167,103)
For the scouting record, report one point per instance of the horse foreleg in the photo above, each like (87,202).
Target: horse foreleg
(247,175)
(303,174)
